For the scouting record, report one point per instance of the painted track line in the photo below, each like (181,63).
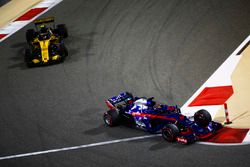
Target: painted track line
(77,147)
(102,144)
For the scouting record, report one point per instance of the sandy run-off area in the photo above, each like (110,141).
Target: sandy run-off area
(14,9)
(238,104)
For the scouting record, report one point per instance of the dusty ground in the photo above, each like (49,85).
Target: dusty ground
(238,104)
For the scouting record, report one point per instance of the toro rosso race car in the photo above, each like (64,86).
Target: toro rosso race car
(146,114)
(46,43)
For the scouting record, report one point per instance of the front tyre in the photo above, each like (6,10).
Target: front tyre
(170,132)
(112,118)
(30,35)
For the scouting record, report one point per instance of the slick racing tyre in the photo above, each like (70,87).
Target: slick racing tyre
(63,53)
(202,118)
(170,132)
(28,58)
(30,35)
(112,118)
(62,30)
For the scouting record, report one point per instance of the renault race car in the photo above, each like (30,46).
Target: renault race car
(46,43)
(145,113)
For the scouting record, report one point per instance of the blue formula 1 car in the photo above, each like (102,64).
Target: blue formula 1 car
(150,116)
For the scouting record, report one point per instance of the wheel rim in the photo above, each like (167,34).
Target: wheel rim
(108,119)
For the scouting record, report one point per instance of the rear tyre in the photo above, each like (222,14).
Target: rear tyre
(112,118)
(63,53)
(170,132)
(30,35)
(28,58)
(62,30)
(202,118)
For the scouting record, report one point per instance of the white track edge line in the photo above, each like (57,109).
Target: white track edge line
(77,147)
(106,143)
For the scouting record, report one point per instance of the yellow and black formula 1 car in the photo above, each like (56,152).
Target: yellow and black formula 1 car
(46,43)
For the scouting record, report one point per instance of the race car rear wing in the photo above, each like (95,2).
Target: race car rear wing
(44,20)
(117,100)
(121,97)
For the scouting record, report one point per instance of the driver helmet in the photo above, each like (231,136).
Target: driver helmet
(129,101)
(44,32)
(43,29)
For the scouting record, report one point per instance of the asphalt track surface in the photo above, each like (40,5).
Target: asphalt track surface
(3,2)
(165,49)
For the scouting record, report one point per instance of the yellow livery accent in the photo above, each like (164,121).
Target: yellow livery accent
(44,20)
(35,61)
(45,50)
(56,57)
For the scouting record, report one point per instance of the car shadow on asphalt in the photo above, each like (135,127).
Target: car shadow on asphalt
(79,46)
(118,132)
(163,144)
(18,58)
(156,143)
(101,128)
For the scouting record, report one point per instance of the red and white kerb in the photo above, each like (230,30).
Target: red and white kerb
(26,18)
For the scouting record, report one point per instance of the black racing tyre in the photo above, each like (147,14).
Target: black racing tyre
(202,118)
(30,35)
(170,132)
(112,118)
(28,58)
(63,53)
(62,30)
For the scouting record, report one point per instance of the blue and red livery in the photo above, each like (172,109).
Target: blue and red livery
(146,114)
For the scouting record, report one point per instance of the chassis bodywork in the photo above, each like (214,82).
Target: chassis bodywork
(160,118)
(46,43)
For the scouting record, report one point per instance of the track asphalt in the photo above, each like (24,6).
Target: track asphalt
(165,49)
(3,2)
